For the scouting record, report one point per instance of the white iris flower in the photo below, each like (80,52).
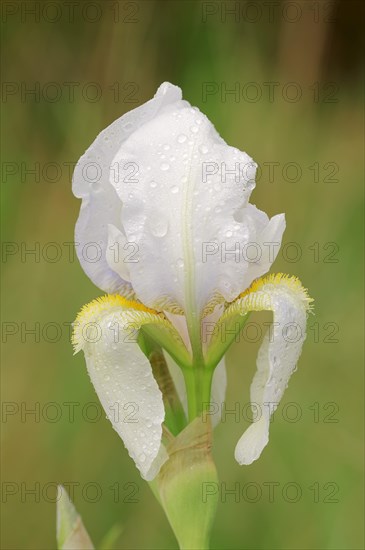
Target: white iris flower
(165,204)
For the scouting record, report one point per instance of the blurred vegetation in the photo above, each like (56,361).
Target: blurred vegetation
(178,41)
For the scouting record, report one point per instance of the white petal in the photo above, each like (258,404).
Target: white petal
(252,442)
(181,208)
(99,208)
(118,252)
(219,386)
(209,325)
(179,322)
(123,379)
(278,355)
(100,203)
(264,244)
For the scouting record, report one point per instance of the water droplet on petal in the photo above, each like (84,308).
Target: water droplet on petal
(181,138)
(203,149)
(194,129)
(174,189)
(159,225)
(164,166)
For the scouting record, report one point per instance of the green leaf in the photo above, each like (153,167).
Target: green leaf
(71,533)
(110,539)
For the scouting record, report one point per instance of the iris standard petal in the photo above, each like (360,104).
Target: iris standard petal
(187,211)
(101,205)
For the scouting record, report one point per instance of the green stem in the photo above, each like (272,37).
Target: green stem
(198,376)
(198,381)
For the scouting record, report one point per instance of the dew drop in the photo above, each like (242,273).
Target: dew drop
(153,184)
(229,233)
(159,225)
(164,166)
(203,149)
(174,189)
(181,138)
(194,129)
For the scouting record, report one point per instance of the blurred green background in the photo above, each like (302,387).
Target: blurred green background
(122,52)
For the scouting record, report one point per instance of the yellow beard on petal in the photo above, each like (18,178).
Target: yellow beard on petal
(280,279)
(92,311)
(131,315)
